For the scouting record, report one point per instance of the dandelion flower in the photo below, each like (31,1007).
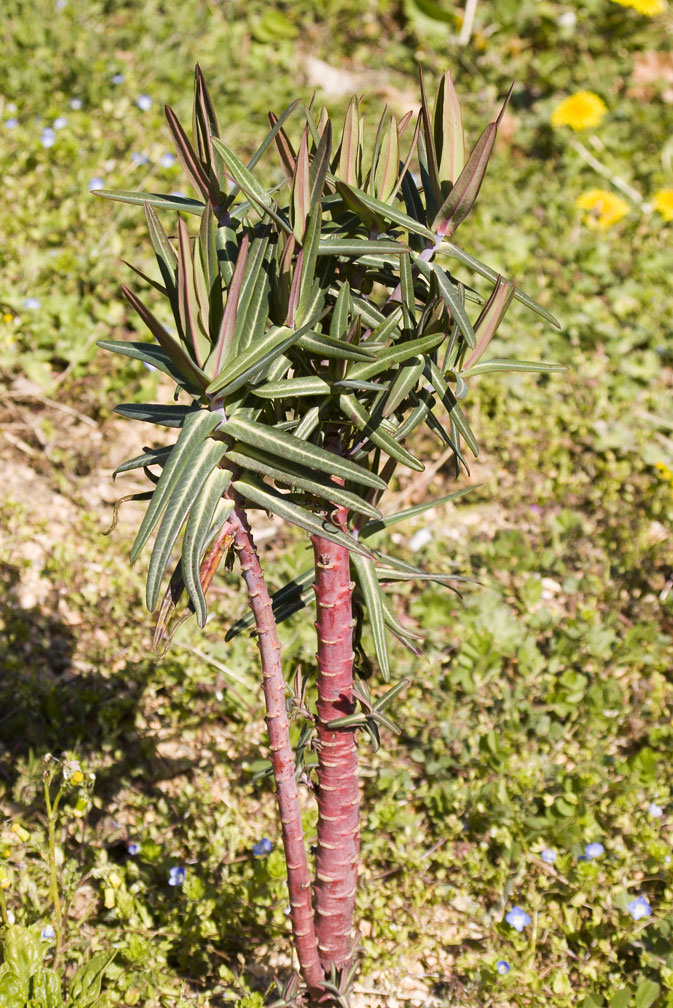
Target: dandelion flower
(663,202)
(580,111)
(604,208)
(650,8)
(517,918)
(639,908)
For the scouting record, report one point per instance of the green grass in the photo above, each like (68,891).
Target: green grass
(540,716)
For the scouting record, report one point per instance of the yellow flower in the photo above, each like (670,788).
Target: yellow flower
(580,111)
(650,8)
(604,208)
(7,317)
(663,202)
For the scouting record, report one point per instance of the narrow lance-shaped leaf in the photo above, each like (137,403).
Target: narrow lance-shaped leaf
(187,299)
(158,200)
(155,357)
(374,431)
(155,413)
(252,291)
(461,199)
(396,354)
(340,312)
(387,167)
(310,456)
(349,151)
(371,591)
(356,198)
(451,297)
(183,494)
(490,318)
(301,192)
(288,158)
(247,182)
(197,531)
(187,156)
(195,429)
(277,504)
(451,403)
(225,339)
(166,257)
(448,133)
(433,193)
(310,250)
(503,364)
(244,365)
(406,380)
(320,165)
(290,594)
(371,528)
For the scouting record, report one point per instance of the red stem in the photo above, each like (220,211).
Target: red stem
(338,796)
(282,756)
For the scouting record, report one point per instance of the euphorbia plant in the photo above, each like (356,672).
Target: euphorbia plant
(316,326)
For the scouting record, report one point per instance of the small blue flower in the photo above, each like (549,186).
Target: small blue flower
(139,157)
(11,123)
(96,183)
(502,967)
(517,918)
(655,810)
(32,303)
(548,855)
(133,848)
(118,78)
(639,908)
(593,850)
(75,104)
(176,875)
(60,123)
(60,4)
(47,933)
(144,102)
(48,138)
(167,160)
(262,848)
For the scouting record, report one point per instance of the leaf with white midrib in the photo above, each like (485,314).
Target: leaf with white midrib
(277,504)
(371,591)
(287,446)
(197,426)
(296,476)
(183,494)
(197,532)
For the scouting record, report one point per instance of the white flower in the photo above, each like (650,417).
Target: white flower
(420,539)
(48,138)
(655,810)
(167,160)
(144,102)
(75,104)
(60,123)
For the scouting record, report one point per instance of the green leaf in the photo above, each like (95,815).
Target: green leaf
(427,144)
(197,532)
(194,169)
(451,404)
(501,364)
(86,983)
(388,163)
(184,491)
(371,528)
(226,338)
(45,990)
(406,380)
(647,993)
(291,594)
(187,301)
(175,350)
(320,163)
(12,992)
(153,456)
(247,182)
(251,489)
(253,299)
(297,476)
(384,210)
(490,274)
(310,249)
(163,250)
(365,573)
(321,346)
(448,132)
(154,356)
(396,354)
(290,387)
(154,199)
(155,413)
(462,197)
(286,446)
(350,151)
(490,318)
(340,312)
(356,247)
(407,293)
(372,429)
(196,428)
(254,358)
(22,954)
(451,297)
(622,999)
(301,193)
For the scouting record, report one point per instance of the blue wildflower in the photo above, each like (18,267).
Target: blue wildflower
(133,848)
(48,138)
(118,78)
(139,157)
(517,918)
(96,183)
(176,875)
(655,810)
(593,850)
(262,848)
(47,933)
(167,160)
(548,855)
(32,303)
(639,908)
(144,102)
(502,967)
(60,123)
(75,104)
(11,123)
